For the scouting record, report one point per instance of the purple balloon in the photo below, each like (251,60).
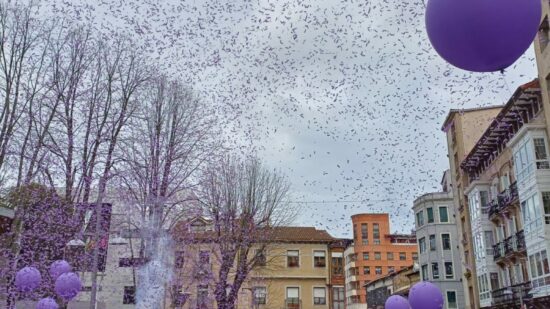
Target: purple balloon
(27,279)
(396,302)
(67,286)
(482,35)
(58,268)
(47,303)
(425,295)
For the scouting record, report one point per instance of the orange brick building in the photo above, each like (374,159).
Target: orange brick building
(377,252)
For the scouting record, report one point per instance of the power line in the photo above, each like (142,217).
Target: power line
(340,201)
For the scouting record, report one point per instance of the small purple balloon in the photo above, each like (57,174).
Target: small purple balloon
(27,279)
(47,303)
(58,268)
(67,286)
(425,295)
(397,302)
(482,35)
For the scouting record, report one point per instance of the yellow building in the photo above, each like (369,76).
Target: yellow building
(464,128)
(296,271)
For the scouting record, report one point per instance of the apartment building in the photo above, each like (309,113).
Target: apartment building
(495,208)
(463,129)
(301,267)
(376,252)
(437,236)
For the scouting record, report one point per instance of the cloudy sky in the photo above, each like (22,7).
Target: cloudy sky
(347,98)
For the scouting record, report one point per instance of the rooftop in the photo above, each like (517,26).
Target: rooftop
(524,105)
(453,111)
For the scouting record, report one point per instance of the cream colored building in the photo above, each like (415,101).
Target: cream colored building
(296,272)
(464,128)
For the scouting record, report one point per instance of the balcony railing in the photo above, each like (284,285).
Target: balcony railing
(293,303)
(503,200)
(511,294)
(509,246)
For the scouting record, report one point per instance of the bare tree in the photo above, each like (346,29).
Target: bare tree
(22,54)
(125,72)
(246,202)
(167,143)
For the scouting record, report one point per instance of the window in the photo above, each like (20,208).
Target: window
(540,271)
(484,200)
(443,215)
(179,259)
(365,256)
(293,258)
(338,299)
(366,270)
(415,256)
(202,296)
(260,295)
(546,205)
(402,256)
(446,241)
(451,300)
(337,263)
(377,241)
(178,296)
(424,272)
(129,295)
(131,262)
(531,214)
(449,270)
(261,259)
(420,218)
(376,232)
(319,259)
(377,256)
(422,245)
(378,270)
(364,230)
(523,161)
(391,269)
(541,158)
(488,242)
(432,243)
(430,212)
(293,296)
(204,257)
(390,256)
(435,270)
(319,296)
(355,231)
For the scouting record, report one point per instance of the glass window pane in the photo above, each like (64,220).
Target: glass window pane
(443,215)
(430,215)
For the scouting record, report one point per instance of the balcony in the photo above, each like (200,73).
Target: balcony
(511,294)
(509,247)
(505,199)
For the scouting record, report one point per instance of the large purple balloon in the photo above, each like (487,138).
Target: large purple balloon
(58,268)
(396,302)
(425,295)
(27,279)
(67,286)
(482,35)
(47,303)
